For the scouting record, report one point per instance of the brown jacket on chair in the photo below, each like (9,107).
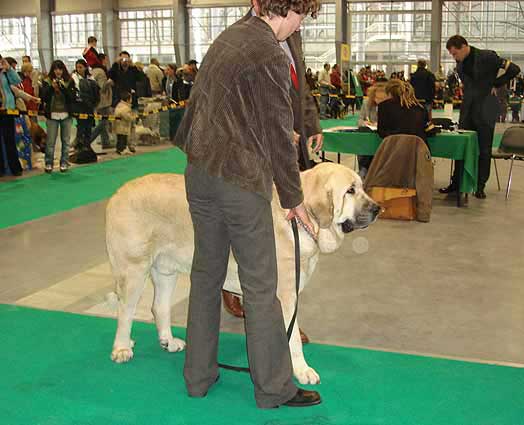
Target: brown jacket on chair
(404,161)
(238,124)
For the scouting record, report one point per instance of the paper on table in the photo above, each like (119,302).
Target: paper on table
(339,128)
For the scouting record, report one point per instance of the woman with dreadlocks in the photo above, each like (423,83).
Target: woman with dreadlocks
(402,113)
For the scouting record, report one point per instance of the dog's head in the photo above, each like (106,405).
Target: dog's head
(335,198)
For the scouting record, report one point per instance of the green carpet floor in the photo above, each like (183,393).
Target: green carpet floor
(43,195)
(55,370)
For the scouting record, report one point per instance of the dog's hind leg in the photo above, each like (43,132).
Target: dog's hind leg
(129,288)
(164,286)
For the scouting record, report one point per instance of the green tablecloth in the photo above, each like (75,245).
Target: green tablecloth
(457,146)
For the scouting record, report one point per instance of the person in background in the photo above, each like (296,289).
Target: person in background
(481,71)
(8,78)
(58,95)
(87,100)
(105,85)
(310,80)
(123,126)
(125,76)
(29,87)
(369,117)
(184,81)
(401,112)
(502,94)
(324,84)
(324,80)
(335,78)
(169,83)
(193,69)
(156,77)
(515,103)
(423,82)
(143,85)
(36,76)
(90,54)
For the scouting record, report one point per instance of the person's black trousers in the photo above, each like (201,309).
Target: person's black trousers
(7,139)
(485,140)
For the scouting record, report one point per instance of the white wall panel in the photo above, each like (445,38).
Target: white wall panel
(72,6)
(18,8)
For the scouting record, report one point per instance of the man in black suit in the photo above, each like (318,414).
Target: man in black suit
(481,71)
(306,125)
(423,81)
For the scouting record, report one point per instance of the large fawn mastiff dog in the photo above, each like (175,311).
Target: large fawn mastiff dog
(149,233)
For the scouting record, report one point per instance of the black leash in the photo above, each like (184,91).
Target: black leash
(297,282)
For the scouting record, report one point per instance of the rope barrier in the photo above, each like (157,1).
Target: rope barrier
(17,112)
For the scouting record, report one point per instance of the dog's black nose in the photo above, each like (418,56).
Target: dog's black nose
(375,209)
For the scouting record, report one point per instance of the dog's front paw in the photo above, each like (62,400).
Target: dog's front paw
(121,355)
(173,345)
(307,375)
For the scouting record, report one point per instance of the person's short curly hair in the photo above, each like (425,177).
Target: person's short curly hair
(282,7)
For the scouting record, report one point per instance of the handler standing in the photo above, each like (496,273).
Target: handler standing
(481,71)
(238,135)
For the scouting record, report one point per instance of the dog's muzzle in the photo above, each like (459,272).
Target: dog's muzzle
(363,220)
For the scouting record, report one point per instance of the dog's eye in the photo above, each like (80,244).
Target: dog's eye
(351,191)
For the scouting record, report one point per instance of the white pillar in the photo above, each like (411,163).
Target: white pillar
(44,26)
(436,35)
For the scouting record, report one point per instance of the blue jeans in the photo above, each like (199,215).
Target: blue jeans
(52,134)
(102,127)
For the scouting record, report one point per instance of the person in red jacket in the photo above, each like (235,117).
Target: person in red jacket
(335,77)
(90,54)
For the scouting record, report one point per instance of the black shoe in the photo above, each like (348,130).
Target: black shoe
(17,173)
(304,398)
(449,189)
(480,194)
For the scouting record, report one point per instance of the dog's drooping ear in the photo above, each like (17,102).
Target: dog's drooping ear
(320,204)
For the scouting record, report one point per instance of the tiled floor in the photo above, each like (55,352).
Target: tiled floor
(452,287)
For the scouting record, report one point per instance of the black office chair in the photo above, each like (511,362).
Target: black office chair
(511,147)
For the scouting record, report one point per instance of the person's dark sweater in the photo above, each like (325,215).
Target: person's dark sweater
(423,81)
(396,119)
(125,81)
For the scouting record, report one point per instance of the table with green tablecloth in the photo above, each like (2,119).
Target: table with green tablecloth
(453,145)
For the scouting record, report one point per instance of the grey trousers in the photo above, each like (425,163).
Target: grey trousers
(226,216)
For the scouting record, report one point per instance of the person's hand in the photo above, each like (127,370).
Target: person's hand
(55,85)
(110,82)
(37,100)
(300,212)
(316,142)
(296,137)
(494,91)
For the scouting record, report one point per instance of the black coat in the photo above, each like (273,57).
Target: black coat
(47,93)
(124,81)
(395,119)
(423,81)
(478,100)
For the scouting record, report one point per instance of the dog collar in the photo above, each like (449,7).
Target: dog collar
(309,232)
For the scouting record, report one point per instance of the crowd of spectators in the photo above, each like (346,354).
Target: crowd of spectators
(93,86)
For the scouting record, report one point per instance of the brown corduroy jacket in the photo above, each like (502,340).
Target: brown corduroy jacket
(306,119)
(404,161)
(238,124)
